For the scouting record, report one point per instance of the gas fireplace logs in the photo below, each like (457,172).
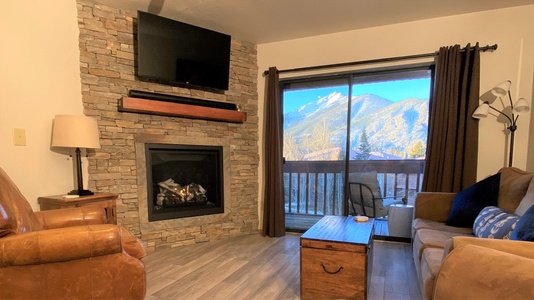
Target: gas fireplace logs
(172,193)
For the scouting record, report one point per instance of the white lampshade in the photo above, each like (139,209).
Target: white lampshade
(501,89)
(74,131)
(521,106)
(481,111)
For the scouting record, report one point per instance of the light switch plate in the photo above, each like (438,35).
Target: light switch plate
(19,137)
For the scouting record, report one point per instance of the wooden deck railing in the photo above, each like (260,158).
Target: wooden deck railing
(317,187)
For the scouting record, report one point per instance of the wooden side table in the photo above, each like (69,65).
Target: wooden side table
(106,200)
(336,258)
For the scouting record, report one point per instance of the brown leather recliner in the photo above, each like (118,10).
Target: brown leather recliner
(66,253)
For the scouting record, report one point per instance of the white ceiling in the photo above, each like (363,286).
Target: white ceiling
(264,21)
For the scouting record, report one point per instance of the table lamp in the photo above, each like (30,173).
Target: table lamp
(74,131)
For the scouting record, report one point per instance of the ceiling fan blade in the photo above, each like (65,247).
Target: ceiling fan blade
(155,6)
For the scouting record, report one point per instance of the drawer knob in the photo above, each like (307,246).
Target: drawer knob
(331,272)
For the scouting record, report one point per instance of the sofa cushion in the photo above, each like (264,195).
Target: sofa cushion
(524,229)
(494,223)
(527,201)
(440,226)
(430,264)
(468,203)
(513,187)
(428,238)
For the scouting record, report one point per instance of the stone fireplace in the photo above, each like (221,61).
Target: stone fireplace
(198,226)
(183,181)
(107,70)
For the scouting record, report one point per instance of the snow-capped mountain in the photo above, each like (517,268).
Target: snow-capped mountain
(391,127)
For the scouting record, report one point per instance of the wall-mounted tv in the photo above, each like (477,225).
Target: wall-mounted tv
(181,54)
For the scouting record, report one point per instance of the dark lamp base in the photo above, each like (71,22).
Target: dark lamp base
(81,192)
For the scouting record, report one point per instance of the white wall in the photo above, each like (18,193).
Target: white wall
(39,78)
(512,29)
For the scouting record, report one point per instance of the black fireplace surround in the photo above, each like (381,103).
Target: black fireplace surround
(184,181)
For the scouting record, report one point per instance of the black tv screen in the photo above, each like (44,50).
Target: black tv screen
(181,54)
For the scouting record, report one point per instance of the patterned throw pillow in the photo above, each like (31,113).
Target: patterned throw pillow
(494,223)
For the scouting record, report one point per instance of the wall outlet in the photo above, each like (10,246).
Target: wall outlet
(19,137)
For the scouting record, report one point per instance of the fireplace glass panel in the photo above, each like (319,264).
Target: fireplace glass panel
(184,181)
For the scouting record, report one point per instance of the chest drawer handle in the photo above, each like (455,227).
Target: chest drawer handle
(330,272)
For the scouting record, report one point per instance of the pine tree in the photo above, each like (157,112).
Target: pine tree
(364,148)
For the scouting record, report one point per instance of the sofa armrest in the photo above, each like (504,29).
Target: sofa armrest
(433,206)
(476,272)
(68,217)
(521,248)
(59,245)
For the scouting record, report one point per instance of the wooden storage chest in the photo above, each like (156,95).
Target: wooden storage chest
(335,259)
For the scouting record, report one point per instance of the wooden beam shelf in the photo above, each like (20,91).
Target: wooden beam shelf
(155,107)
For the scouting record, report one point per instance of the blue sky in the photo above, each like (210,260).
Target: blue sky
(391,90)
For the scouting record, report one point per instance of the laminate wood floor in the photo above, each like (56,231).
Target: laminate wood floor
(256,267)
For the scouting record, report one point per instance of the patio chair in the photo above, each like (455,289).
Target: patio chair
(365,197)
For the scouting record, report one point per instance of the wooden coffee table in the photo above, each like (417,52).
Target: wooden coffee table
(336,258)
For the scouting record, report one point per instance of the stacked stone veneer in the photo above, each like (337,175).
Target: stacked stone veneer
(107,58)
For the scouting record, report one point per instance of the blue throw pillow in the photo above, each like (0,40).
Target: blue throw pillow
(524,229)
(494,223)
(468,203)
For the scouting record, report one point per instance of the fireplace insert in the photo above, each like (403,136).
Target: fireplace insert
(184,181)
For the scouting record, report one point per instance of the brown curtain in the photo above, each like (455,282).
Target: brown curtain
(273,208)
(452,147)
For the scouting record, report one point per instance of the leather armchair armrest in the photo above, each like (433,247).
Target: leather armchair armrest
(59,245)
(433,206)
(476,272)
(131,244)
(521,248)
(68,217)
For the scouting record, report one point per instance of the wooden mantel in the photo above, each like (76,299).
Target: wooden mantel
(155,107)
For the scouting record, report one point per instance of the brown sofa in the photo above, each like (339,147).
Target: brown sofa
(451,263)
(65,253)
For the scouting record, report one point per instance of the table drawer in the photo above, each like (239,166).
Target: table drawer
(330,274)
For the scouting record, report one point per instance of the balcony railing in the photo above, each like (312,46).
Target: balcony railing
(318,188)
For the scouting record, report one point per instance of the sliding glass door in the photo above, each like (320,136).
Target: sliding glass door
(337,125)
(315,120)
(389,127)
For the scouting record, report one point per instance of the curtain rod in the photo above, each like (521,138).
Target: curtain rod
(372,61)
